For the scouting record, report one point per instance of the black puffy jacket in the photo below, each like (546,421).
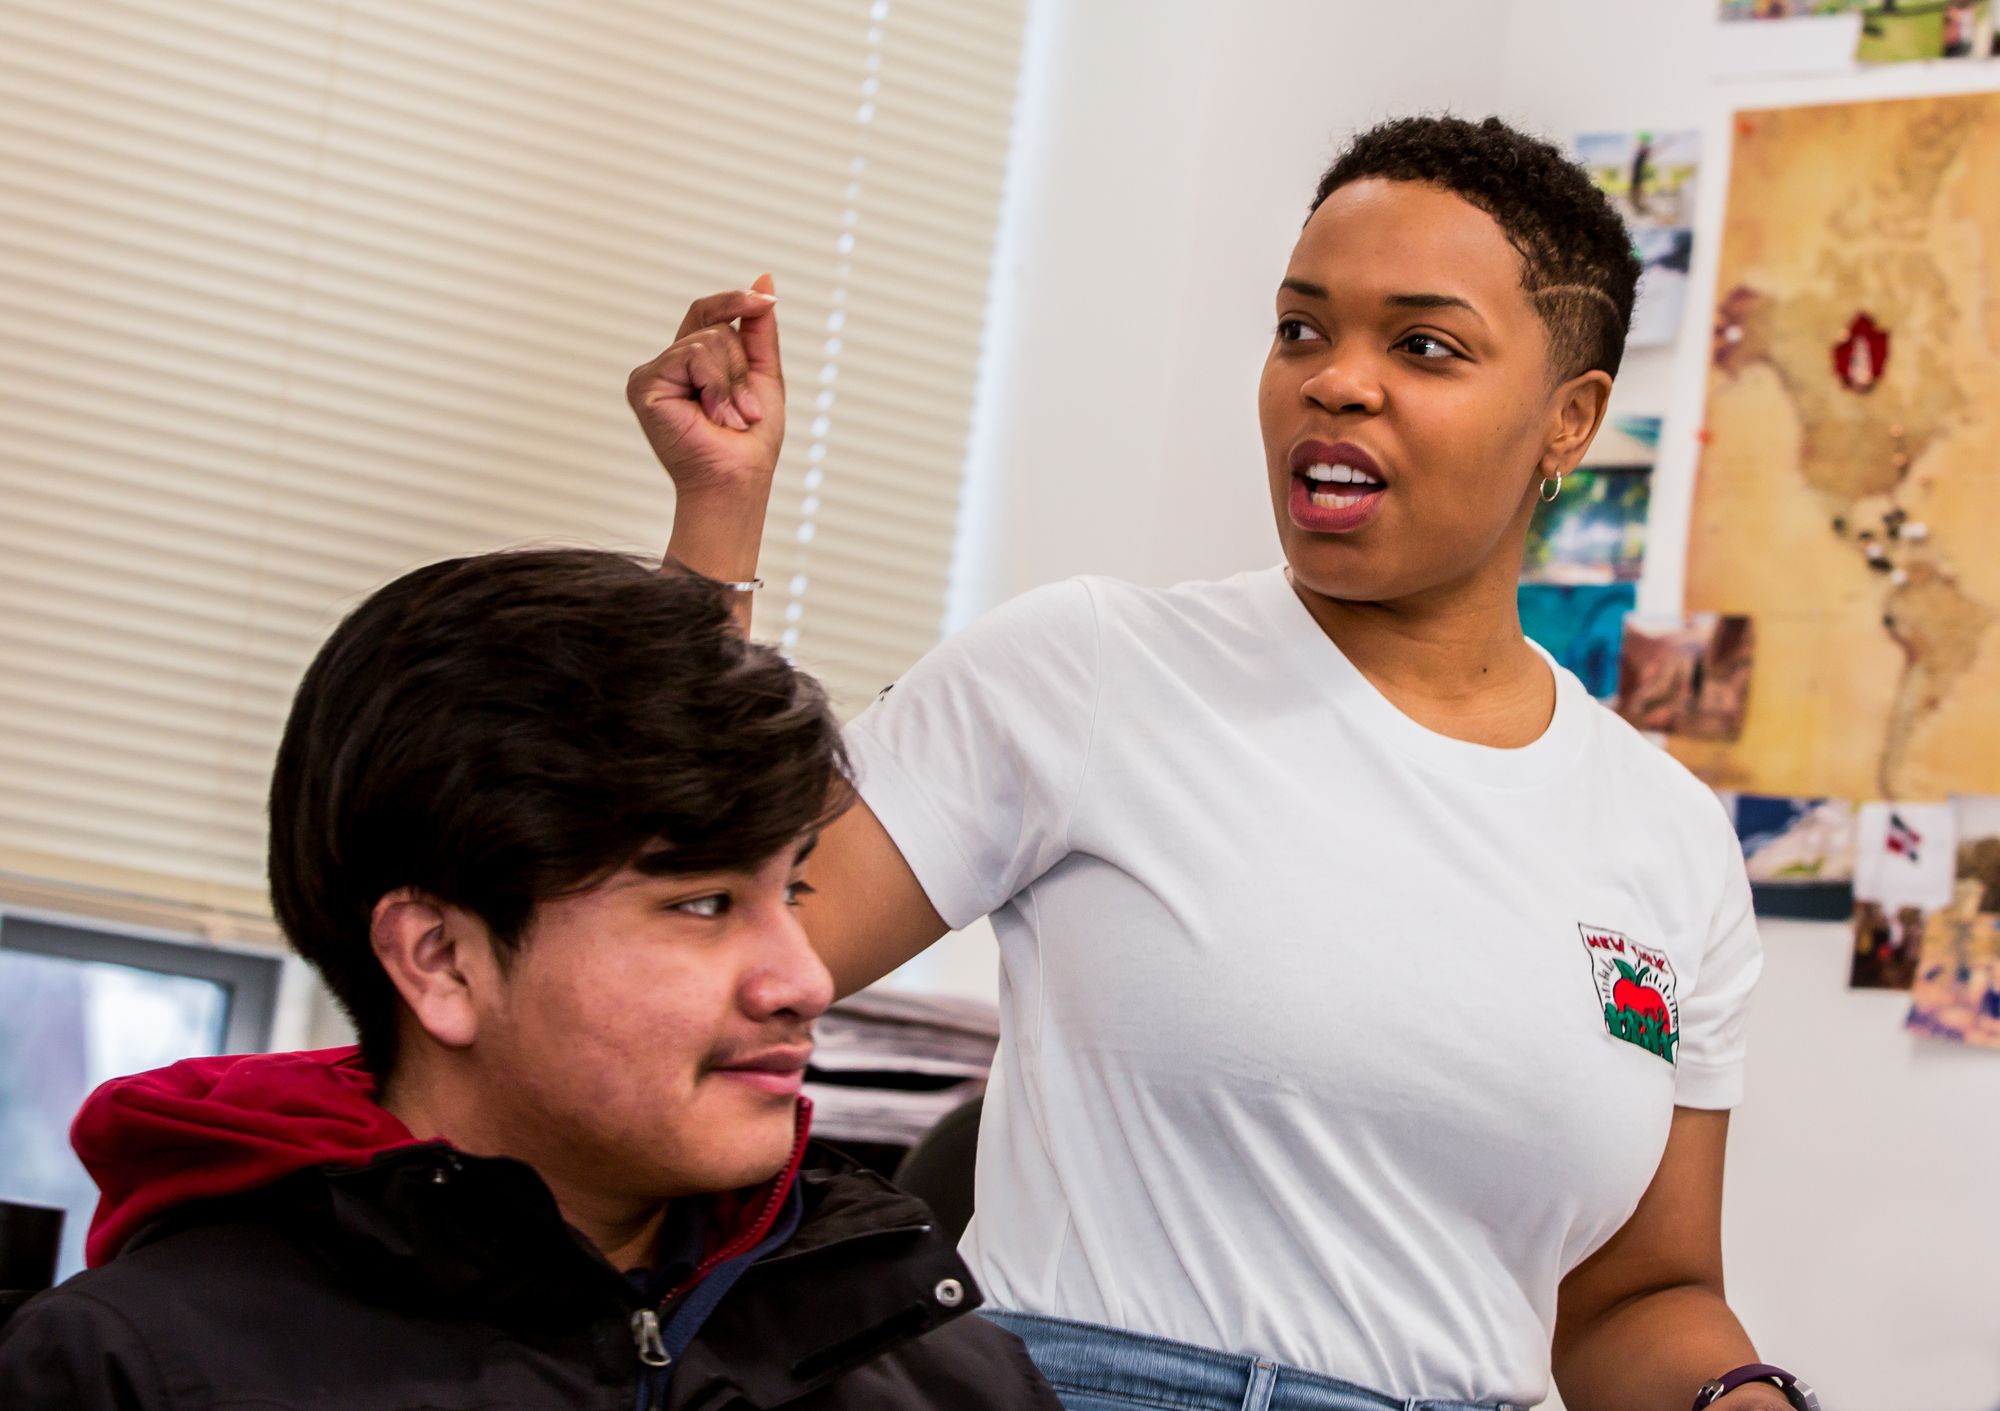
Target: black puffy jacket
(427,1278)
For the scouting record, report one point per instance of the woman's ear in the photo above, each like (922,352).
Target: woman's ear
(1578,412)
(437,957)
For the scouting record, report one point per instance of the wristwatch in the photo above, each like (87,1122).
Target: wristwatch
(1796,1391)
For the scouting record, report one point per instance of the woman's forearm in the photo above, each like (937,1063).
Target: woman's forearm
(1655,1352)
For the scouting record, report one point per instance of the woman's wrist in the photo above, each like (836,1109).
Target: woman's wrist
(720,532)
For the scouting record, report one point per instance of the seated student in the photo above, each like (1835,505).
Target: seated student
(538,819)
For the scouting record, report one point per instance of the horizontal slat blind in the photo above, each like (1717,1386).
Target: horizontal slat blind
(295,296)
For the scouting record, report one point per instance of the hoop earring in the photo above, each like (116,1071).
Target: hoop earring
(1545,494)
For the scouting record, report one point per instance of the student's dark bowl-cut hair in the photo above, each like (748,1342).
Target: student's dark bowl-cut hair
(504,730)
(1577,257)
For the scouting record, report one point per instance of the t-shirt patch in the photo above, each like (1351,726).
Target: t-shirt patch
(1636,987)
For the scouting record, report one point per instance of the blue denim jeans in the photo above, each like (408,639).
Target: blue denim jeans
(1107,1369)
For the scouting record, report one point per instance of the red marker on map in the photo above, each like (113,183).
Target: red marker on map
(1860,358)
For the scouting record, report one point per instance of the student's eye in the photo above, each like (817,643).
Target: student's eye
(707,907)
(798,892)
(1293,330)
(1427,347)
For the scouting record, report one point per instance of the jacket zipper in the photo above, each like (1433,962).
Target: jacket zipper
(653,1353)
(646,1334)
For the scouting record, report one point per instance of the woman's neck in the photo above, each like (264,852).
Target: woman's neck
(1455,663)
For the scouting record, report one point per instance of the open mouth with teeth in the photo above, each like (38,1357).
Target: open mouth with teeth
(1338,487)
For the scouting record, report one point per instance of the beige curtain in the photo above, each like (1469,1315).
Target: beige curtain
(296,295)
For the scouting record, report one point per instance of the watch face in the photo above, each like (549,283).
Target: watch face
(1802,1396)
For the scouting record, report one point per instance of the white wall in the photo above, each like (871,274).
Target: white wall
(1165,154)
(1165,158)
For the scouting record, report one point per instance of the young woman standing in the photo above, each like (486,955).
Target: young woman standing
(1373,1000)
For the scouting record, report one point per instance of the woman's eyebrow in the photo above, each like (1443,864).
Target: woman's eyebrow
(1432,301)
(1305,288)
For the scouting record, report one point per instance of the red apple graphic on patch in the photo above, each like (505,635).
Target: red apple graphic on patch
(1634,994)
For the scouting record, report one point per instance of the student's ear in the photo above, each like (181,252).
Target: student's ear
(437,957)
(1578,411)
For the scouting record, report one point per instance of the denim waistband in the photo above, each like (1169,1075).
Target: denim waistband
(1177,1376)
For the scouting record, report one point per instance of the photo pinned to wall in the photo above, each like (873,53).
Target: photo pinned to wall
(1595,530)
(1665,257)
(1799,853)
(1956,994)
(1827,35)
(1968,29)
(1906,854)
(1887,942)
(1774,9)
(1910,31)
(1687,676)
(1581,625)
(1650,178)
(1924,875)
(1625,441)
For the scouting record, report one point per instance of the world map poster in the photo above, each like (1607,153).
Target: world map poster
(1848,499)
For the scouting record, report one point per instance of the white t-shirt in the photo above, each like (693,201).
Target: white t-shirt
(1316,1041)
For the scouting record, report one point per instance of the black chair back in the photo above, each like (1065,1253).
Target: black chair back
(30,1236)
(938,1170)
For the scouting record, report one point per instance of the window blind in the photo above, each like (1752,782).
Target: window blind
(295,296)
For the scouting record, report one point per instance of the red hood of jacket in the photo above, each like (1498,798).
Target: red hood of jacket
(205,1128)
